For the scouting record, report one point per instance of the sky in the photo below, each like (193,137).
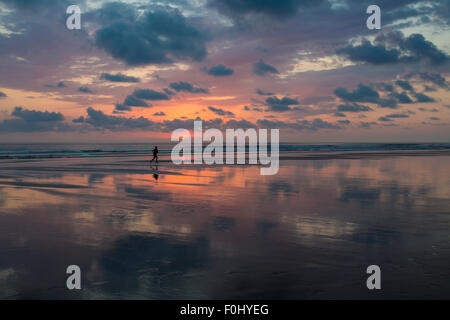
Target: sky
(137,70)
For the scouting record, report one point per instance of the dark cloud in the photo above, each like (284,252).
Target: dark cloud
(263,93)
(300,125)
(421,48)
(169,92)
(395,48)
(364,93)
(159,114)
(424,109)
(405,85)
(84,89)
(122,107)
(148,94)
(423,98)
(151,38)
(34,121)
(2,95)
(237,124)
(220,71)
(344,122)
(435,118)
(58,85)
(280,105)
(33,6)
(170,125)
(434,78)
(279,9)
(354,107)
(402,97)
(340,115)
(367,52)
(384,119)
(367,125)
(397,115)
(261,68)
(37,116)
(187,87)
(221,112)
(78,120)
(118,77)
(385,87)
(98,119)
(134,101)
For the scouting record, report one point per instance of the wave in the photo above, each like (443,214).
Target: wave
(44,151)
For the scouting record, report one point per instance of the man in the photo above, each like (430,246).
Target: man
(155,155)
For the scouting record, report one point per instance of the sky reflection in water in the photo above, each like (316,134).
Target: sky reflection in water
(225,232)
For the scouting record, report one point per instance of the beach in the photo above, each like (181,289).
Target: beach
(224,231)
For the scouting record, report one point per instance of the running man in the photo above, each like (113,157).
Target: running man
(155,155)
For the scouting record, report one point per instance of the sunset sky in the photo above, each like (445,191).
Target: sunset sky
(137,70)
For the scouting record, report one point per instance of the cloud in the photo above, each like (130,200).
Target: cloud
(384,119)
(98,119)
(37,116)
(261,68)
(169,92)
(435,118)
(148,94)
(300,125)
(170,125)
(263,93)
(364,93)
(397,115)
(78,120)
(220,71)
(353,108)
(154,37)
(366,52)
(34,121)
(187,87)
(84,90)
(429,110)
(344,122)
(122,107)
(402,97)
(385,87)
(237,124)
(159,114)
(36,5)
(423,98)
(221,112)
(133,101)
(434,78)
(2,95)
(118,77)
(280,105)
(405,85)
(340,115)
(58,85)
(395,48)
(278,9)
(367,125)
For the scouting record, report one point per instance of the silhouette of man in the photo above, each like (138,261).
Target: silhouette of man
(155,155)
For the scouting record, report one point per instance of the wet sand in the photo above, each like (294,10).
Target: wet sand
(219,232)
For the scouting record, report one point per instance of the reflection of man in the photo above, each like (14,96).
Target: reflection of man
(155,154)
